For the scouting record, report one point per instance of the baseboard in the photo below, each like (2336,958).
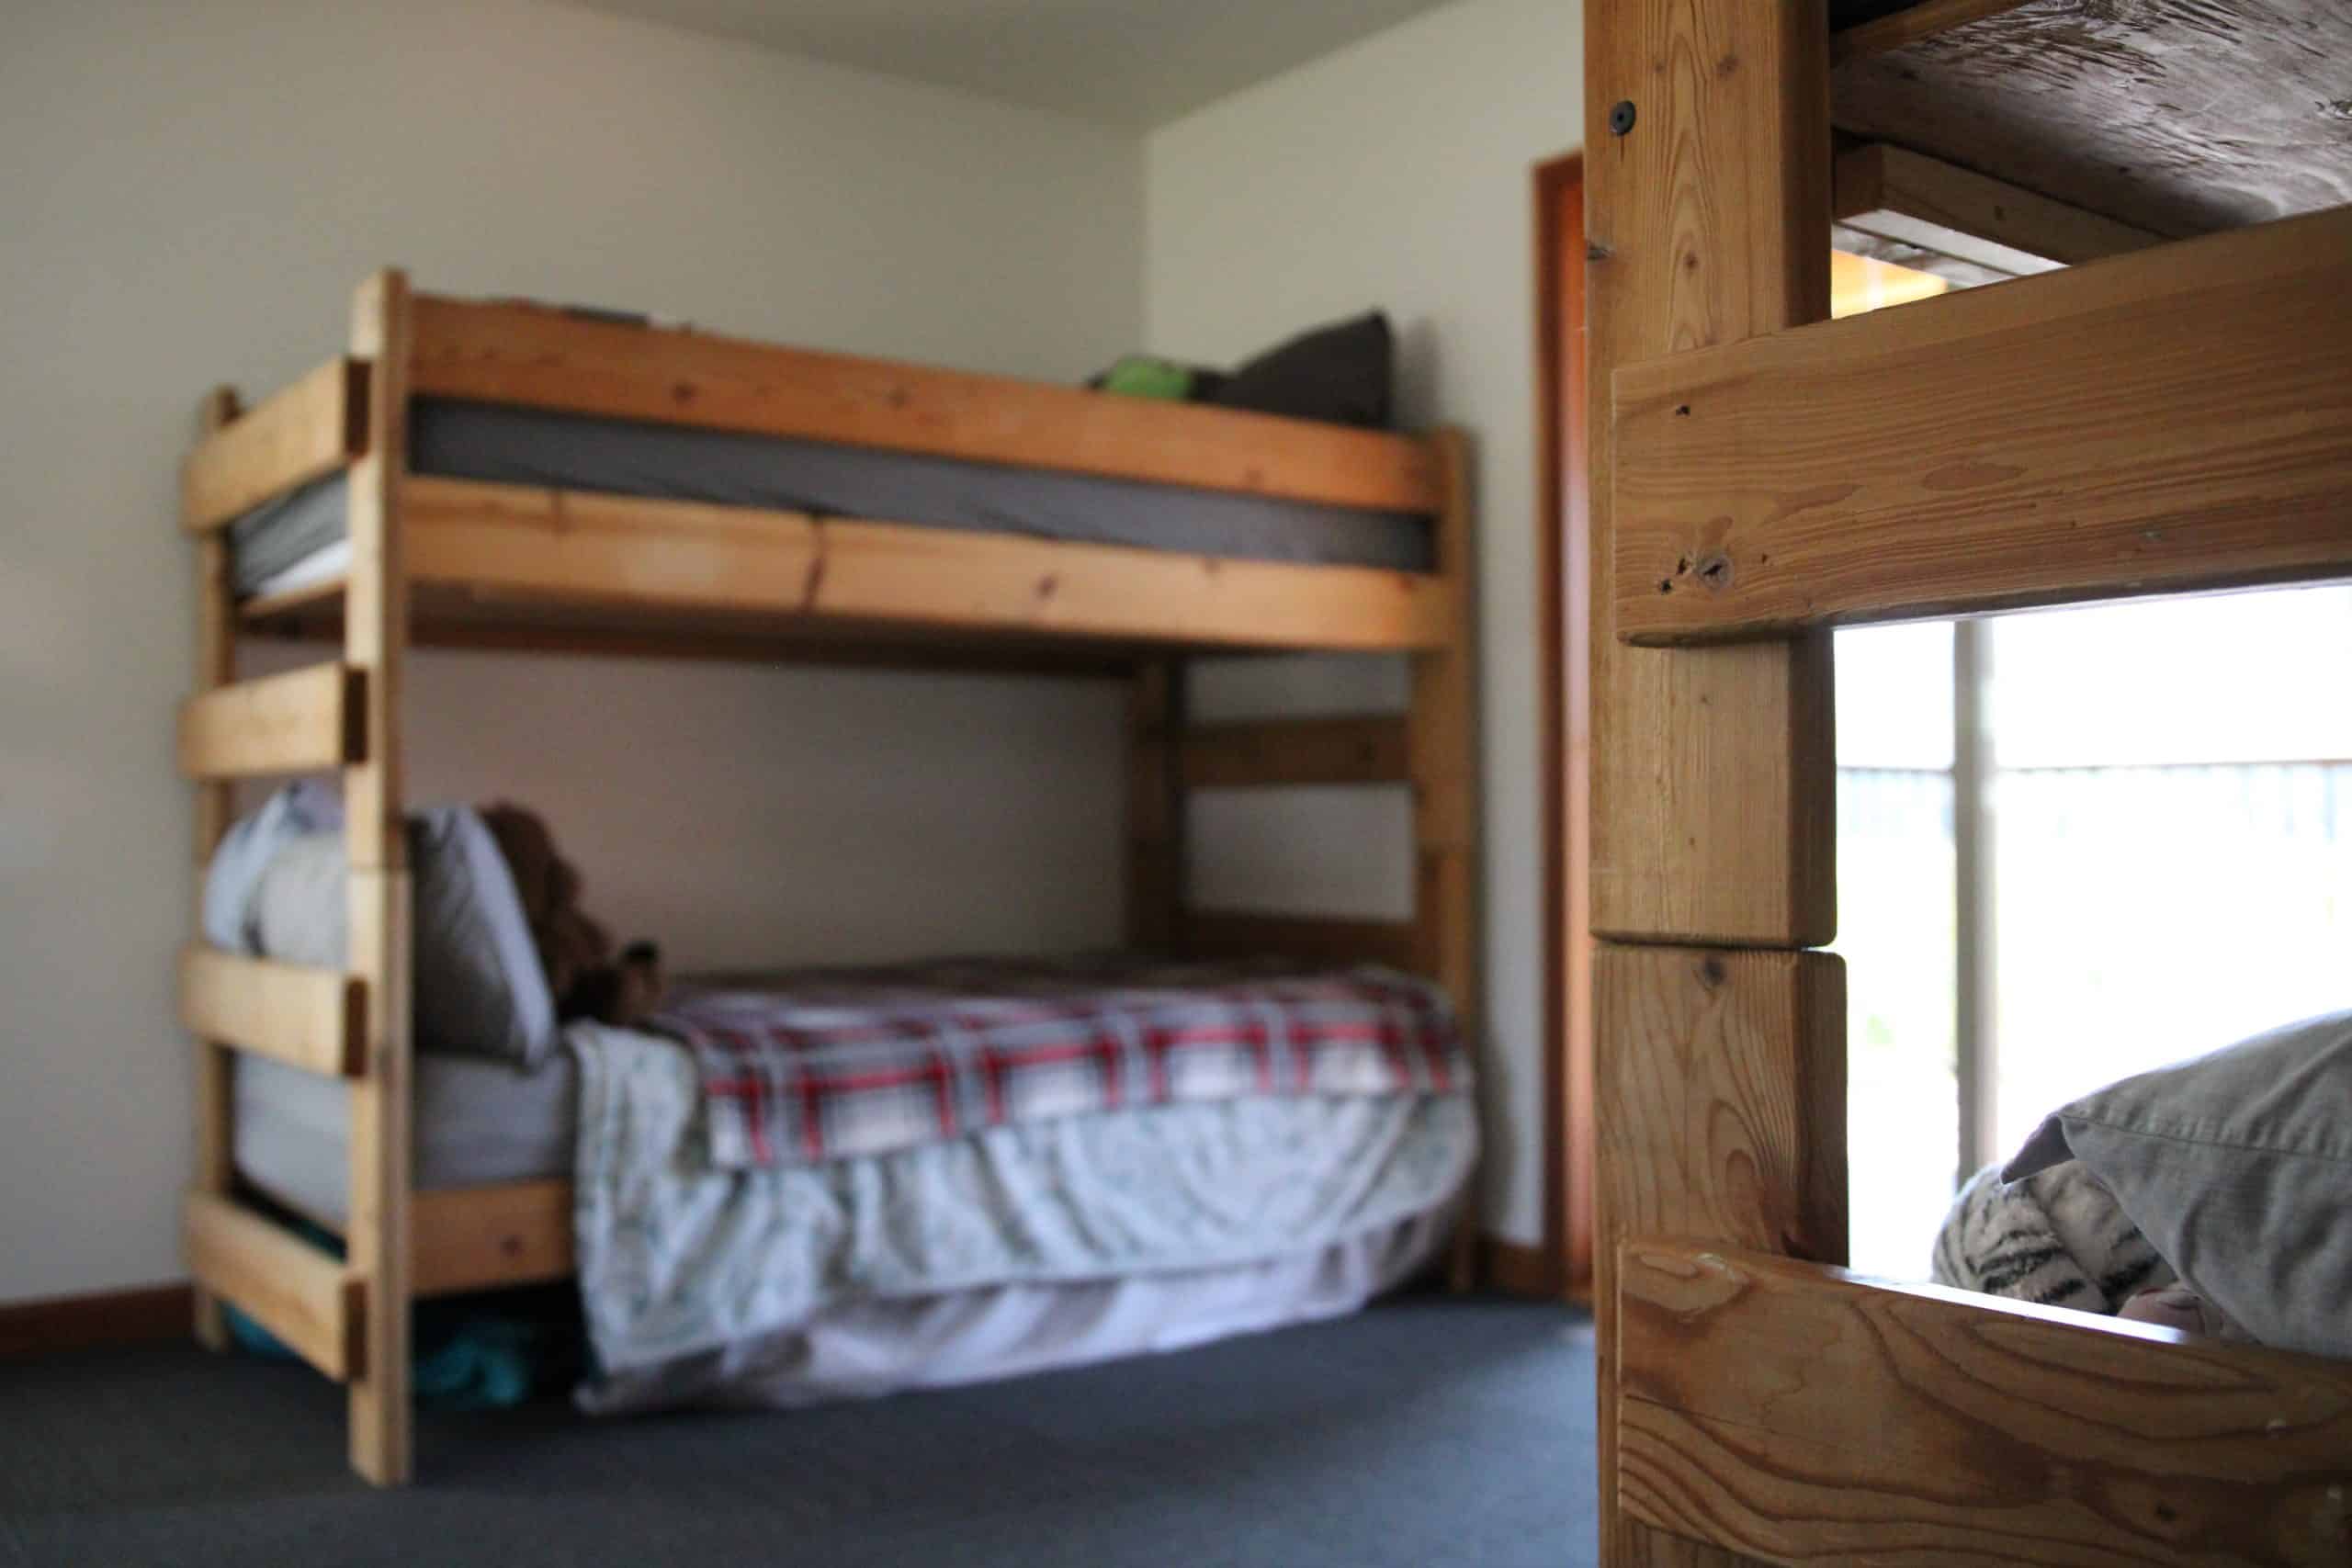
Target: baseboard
(146,1315)
(1517,1269)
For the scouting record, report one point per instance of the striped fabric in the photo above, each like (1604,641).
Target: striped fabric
(833,1064)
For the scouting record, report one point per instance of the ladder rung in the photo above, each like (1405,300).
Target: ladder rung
(312,1019)
(299,1293)
(304,721)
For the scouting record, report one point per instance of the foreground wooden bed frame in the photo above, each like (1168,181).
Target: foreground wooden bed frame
(456,563)
(2174,418)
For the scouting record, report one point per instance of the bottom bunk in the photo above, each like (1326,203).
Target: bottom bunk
(782,1189)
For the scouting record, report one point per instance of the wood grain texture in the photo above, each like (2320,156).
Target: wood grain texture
(1809,1416)
(1893,24)
(311,1018)
(303,433)
(1721,1110)
(2174,116)
(1901,197)
(1938,460)
(1264,753)
(301,1294)
(299,721)
(692,558)
(512,352)
(478,1239)
(216,666)
(1713,774)
(375,845)
(1315,939)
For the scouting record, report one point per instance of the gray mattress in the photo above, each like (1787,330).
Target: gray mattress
(511,445)
(477,1121)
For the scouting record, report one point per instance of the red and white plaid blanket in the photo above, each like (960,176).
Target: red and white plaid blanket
(831,1064)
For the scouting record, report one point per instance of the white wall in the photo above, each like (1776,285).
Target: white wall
(187,194)
(1396,174)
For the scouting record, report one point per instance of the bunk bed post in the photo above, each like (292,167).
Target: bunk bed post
(1156,807)
(375,638)
(216,666)
(1442,762)
(1720,1073)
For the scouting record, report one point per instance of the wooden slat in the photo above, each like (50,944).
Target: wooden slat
(301,721)
(1155,808)
(1279,752)
(476,1238)
(375,635)
(304,432)
(297,1293)
(1905,197)
(691,558)
(1806,1416)
(1317,939)
(530,355)
(1712,776)
(2172,421)
(1910,25)
(311,1018)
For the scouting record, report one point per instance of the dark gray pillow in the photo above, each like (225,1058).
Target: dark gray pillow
(2237,1165)
(480,989)
(1339,374)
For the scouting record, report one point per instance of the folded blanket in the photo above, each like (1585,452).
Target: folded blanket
(2057,1238)
(828,1065)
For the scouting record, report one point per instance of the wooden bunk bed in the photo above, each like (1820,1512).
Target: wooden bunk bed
(2175,415)
(456,562)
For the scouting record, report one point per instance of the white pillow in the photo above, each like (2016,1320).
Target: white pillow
(478,988)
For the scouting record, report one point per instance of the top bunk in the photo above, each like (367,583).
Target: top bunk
(574,481)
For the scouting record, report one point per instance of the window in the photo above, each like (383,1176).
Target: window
(2147,853)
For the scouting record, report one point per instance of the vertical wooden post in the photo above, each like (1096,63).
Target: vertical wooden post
(1719,1074)
(374,642)
(1442,761)
(215,665)
(1156,807)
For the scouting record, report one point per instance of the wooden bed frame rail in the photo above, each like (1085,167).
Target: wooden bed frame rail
(2174,418)
(563,570)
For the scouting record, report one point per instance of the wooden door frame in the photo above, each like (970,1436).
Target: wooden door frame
(1564,732)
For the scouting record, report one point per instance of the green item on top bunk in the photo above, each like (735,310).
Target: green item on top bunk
(1145,375)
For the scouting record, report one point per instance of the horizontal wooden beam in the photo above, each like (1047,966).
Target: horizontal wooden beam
(1316,939)
(1800,1414)
(2173,421)
(311,1018)
(1899,29)
(539,357)
(1369,749)
(689,559)
(477,1238)
(305,720)
(306,1297)
(1906,198)
(304,432)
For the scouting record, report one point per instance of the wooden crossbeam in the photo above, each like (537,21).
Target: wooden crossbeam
(305,1017)
(304,432)
(545,358)
(301,721)
(1800,1414)
(1241,755)
(1907,198)
(1317,939)
(301,1294)
(2172,421)
(475,1238)
(690,558)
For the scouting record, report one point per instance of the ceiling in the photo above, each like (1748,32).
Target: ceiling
(1128,62)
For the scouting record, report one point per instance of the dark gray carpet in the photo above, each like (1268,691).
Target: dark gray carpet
(1429,1430)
